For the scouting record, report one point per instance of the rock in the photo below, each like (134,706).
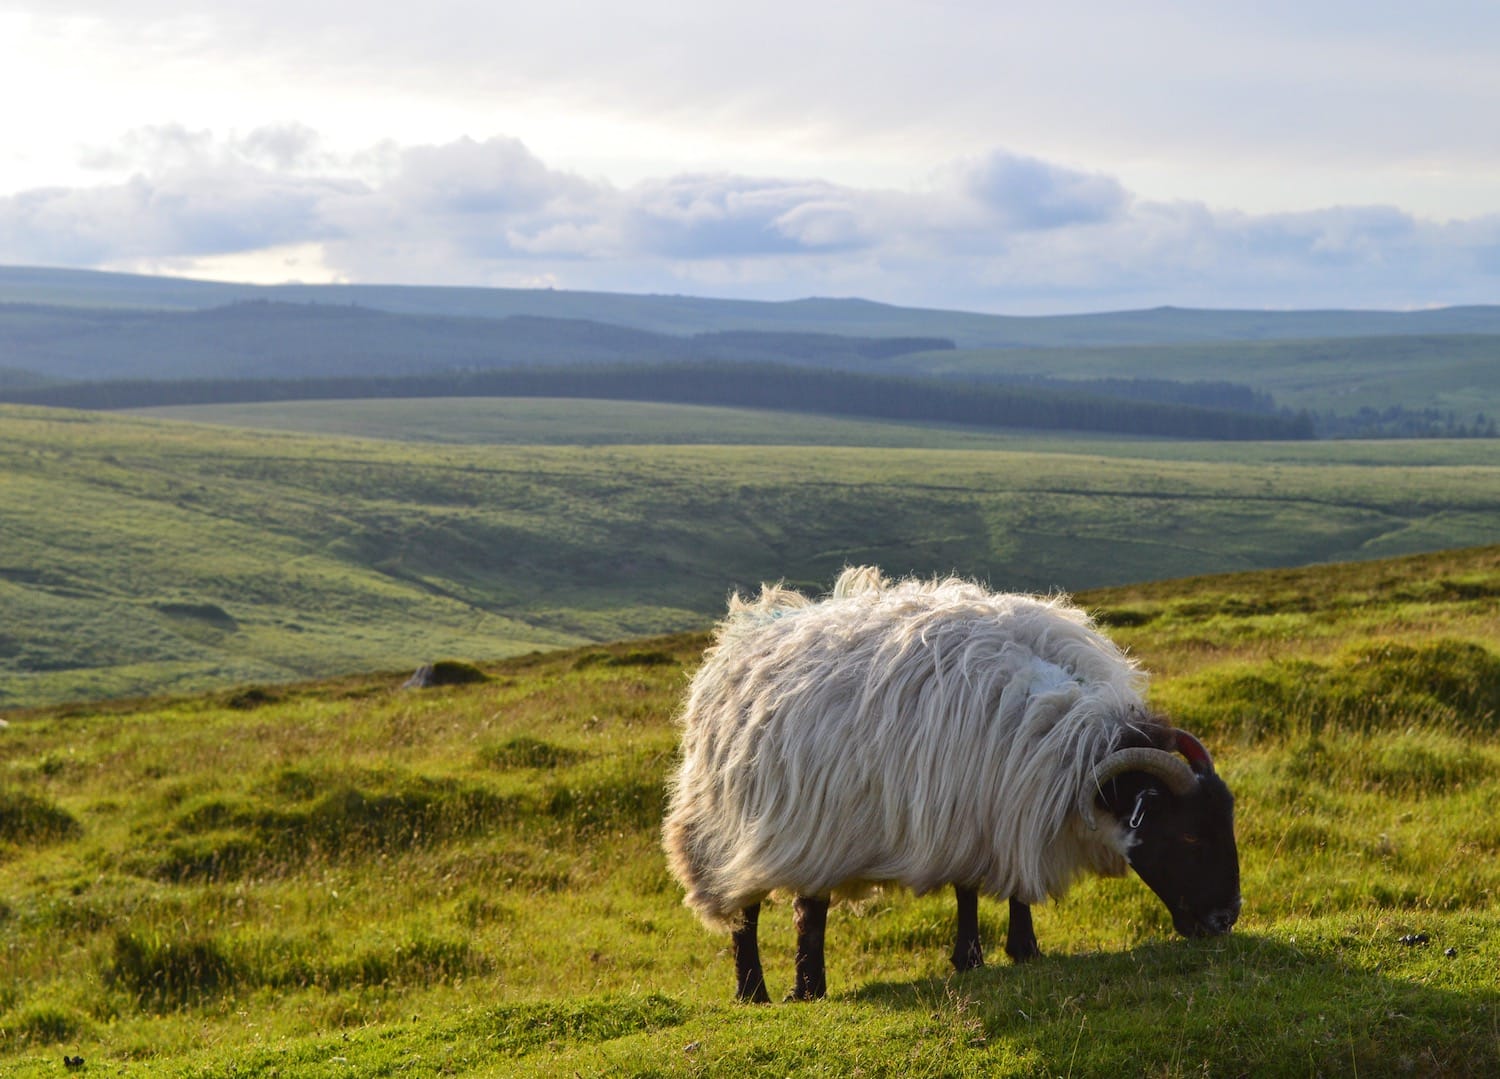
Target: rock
(445,672)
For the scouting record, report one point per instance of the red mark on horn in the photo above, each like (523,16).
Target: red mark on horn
(1193,750)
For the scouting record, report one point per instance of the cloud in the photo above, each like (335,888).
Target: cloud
(996,231)
(719,216)
(1027,193)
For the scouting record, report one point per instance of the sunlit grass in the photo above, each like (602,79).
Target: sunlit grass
(142,557)
(346,877)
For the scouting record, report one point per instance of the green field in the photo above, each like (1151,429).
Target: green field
(141,556)
(583,422)
(347,878)
(1341,375)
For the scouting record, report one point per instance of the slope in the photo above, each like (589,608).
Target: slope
(140,556)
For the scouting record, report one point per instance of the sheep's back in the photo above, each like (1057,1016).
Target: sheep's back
(924,733)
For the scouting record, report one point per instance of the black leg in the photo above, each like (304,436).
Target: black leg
(750,982)
(967,953)
(811,916)
(1020,936)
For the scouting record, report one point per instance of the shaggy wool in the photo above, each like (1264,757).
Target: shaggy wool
(916,732)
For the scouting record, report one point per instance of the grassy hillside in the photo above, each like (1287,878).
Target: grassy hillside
(691,314)
(587,422)
(1451,372)
(348,878)
(142,556)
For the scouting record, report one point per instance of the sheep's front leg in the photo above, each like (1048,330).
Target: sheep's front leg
(750,981)
(1020,935)
(967,952)
(811,917)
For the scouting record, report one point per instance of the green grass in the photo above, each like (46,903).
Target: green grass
(140,556)
(583,422)
(344,877)
(1446,372)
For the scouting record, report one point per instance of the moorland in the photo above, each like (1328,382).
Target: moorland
(142,556)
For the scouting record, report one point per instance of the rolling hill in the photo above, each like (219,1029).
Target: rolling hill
(683,315)
(266,340)
(141,556)
(1349,374)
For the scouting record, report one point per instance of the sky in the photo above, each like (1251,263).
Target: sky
(987,155)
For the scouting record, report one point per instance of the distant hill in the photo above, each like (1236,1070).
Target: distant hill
(255,339)
(1354,373)
(682,315)
(13,379)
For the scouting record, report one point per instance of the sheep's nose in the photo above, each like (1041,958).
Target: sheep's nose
(1221,921)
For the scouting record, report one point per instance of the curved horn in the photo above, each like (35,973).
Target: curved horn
(1171,769)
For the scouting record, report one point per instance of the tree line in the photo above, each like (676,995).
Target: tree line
(778,387)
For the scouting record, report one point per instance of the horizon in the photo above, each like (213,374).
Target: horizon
(713,298)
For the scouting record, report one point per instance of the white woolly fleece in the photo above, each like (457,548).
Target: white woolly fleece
(916,732)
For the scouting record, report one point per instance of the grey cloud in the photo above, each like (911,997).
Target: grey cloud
(497,176)
(1028,193)
(1001,232)
(1340,236)
(204,209)
(283,147)
(720,216)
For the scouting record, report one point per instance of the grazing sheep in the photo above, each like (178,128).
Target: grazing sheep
(929,733)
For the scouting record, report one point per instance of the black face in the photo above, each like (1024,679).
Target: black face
(1184,849)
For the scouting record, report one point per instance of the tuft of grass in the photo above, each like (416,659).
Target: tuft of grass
(32,820)
(521,1028)
(1408,763)
(523,751)
(633,658)
(44,1024)
(165,974)
(1444,684)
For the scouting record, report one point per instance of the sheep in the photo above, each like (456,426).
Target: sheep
(927,733)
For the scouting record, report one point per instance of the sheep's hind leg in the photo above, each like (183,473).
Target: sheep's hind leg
(750,980)
(811,916)
(1020,935)
(967,952)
